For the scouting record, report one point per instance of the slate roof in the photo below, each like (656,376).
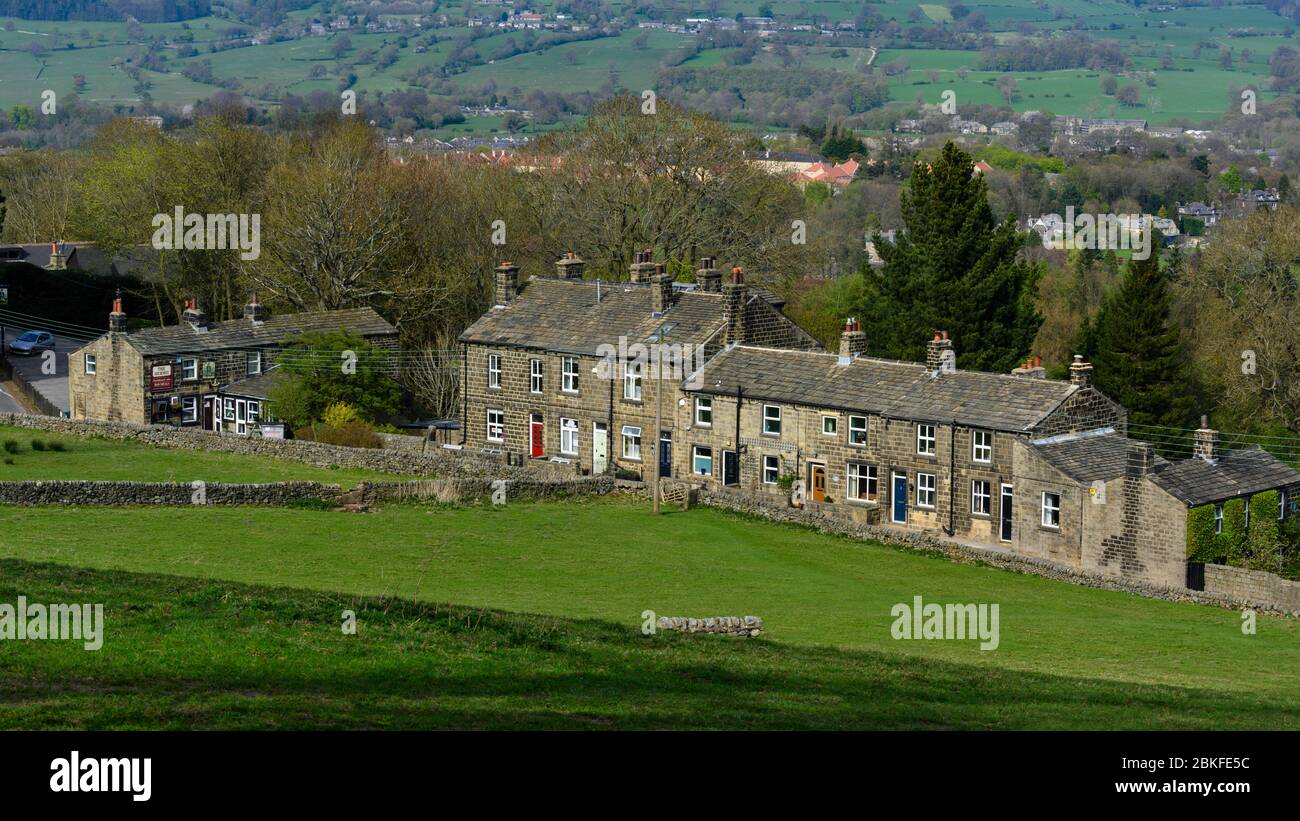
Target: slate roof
(1091,455)
(257,386)
(241,333)
(902,390)
(563,315)
(1234,473)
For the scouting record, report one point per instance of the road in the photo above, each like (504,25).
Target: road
(54,387)
(8,404)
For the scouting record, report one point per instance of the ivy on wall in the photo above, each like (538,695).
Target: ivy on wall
(1268,544)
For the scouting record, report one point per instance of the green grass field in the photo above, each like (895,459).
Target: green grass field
(106,459)
(1073,655)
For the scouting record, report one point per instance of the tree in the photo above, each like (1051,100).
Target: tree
(1129,96)
(1140,359)
(316,378)
(954,267)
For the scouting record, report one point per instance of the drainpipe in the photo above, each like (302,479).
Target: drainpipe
(952,479)
(610,439)
(464,392)
(740,395)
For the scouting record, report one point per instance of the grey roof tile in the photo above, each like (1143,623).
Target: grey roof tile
(241,333)
(1234,473)
(1091,455)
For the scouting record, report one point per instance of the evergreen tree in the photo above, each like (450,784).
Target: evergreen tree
(1139,357)
(953,268)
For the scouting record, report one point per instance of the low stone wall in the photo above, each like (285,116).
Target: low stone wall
(400,441)
(463,490)
(439,461)
(729,625)
(1260,599)
(163,493)
(1249,587)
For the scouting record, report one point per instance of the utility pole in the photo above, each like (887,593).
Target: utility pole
(658,431)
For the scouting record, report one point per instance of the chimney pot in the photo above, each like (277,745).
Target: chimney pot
(505,283)
(853,342)
(570,266)
(1080,372)
(938,351)
(707,277)
(1205,441)
(254,311)
(193,314)
(117,317)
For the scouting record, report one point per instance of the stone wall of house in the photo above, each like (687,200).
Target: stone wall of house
(440,461)
(1138,532)
(768,327)
(75,492)
(116,391)
(1252,587)
(1087,409)
(836,523)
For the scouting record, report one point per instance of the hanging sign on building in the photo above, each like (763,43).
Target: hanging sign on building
(160,379)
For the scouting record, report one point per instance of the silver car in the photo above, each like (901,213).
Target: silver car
(32,342)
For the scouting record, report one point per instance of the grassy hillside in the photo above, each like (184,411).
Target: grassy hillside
(610,560)
(188,654)
(107,459)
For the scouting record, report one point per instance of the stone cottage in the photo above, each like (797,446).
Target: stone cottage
(564,368)
(211,375)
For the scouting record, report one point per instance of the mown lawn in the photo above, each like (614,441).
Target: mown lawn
(196,654)
(611,559)
(110,459)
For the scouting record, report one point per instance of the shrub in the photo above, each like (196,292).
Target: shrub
(38,445)
(339,414)
(1264,541)
(9,461)
(355,434)
(57,447)
(1233,540)
(11,446)
(1202,541)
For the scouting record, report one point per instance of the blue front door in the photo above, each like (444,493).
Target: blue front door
(900,497)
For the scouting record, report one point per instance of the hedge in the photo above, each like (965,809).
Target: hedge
(1264,539)
(1202,541)
(1232,542)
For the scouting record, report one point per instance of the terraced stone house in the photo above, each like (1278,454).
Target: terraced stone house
(543,375)
(211,375)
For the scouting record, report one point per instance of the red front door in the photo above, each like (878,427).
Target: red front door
(535,437)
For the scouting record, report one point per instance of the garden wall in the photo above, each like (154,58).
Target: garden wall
(1250,586)
(77,492)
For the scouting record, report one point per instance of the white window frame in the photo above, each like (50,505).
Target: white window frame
(769,419)
(90,364)
(703,405)
(632,439)
(922,491)
(499,426)
(856,474)
(1247,522)
(228,412)
(254,411)
(1053,509)
(536,372)
(568,436)
(977,447)
(772,464)
(189,369)
(981,489)
(494,371)
(834,425)
(854,429)
(252,363)
(699,452)
(1218,519)
(632,388)
(189,409)
(1281,504)
(569,374)
(926,436)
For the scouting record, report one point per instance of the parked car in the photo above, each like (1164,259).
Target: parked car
(32,342)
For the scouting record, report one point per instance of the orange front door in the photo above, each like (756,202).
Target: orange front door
(819,483)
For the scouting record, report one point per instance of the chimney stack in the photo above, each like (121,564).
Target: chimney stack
(642,268)
(1032,369)
(661,288)
(194,315)
(853,342)
(939,354)
(734,306)
(505,283)
(117,318)
(1205,441)
(1080,372)
(570,266)
(1141,458)
(254,311)
(708,278)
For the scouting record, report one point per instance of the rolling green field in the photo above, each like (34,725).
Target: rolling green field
(105,459)
(1068,651)
(1195,88)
